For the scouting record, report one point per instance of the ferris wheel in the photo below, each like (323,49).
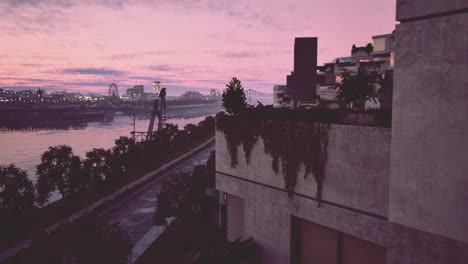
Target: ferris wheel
(113,91)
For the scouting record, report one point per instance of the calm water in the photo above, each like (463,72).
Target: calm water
(25,147)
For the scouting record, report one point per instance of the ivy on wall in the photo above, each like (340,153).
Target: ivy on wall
(290,142)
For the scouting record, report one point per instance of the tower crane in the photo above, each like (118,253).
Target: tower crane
(159,109)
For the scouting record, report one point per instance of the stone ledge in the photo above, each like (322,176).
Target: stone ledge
(411,9)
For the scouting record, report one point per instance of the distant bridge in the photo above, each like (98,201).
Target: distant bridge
(253,93)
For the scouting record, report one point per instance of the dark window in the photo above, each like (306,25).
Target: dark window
(358,251)
(235,218)
(315,244)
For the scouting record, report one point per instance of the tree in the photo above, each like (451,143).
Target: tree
(183,195)
(16,190)
(97,166)
(385,93)
(88,240)
(55,172)
(234,97)
(172,200)
(122,156)
(356,88)
(78,180)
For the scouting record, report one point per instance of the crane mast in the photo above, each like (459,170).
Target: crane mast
(159,109)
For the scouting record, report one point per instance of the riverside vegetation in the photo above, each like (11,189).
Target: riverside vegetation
(81,181)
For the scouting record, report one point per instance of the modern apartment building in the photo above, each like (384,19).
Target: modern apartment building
(368,194)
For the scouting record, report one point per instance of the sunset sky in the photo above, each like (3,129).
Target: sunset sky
(84,45)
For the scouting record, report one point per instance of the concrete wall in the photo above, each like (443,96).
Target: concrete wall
(356,173)
(410,9)
(356,178)
(268,214)
(429,161)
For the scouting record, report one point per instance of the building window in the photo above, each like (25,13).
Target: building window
(379,44)
(312,243)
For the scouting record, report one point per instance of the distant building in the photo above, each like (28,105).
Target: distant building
(280,96)
(372,58)
(191,95)
(301,84)
(215,93)
(134,94)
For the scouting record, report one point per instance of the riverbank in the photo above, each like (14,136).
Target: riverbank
(62,211)
(24,146)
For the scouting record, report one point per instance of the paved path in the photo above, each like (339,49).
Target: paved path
(135,213)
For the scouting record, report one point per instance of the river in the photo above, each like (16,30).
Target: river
(24,147)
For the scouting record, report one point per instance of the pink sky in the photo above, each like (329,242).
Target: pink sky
(84,45)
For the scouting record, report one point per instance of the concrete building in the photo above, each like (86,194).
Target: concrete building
(394,196)
(301,84)
(280,96)
(191,95)
(377,57)
(134,94)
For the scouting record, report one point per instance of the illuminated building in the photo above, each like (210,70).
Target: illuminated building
(134,94)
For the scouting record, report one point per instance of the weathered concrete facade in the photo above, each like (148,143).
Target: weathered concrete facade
(404,189)
(355,195)
(357,175)
(428,184)
(357,171)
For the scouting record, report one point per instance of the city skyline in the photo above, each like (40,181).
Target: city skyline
(63,45)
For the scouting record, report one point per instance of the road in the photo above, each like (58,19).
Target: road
(135,213)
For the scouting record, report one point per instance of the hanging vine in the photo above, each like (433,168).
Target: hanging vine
(242,132)
(291,142)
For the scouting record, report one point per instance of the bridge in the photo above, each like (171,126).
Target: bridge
(253,93)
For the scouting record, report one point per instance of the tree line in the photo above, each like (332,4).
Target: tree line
(72,176)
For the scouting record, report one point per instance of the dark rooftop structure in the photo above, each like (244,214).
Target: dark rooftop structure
(302,82)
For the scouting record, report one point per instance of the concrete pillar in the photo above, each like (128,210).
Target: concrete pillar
(429,155)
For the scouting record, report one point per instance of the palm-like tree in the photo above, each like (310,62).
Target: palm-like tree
(356,89)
